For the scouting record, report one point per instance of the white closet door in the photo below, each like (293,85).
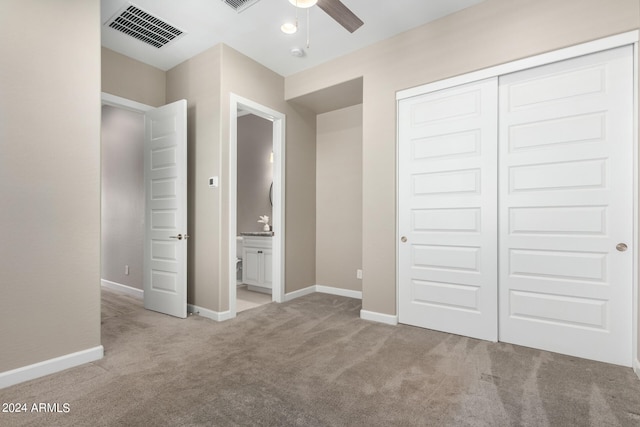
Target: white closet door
(565,203)
(447,207)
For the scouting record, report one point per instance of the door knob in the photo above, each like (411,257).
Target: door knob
(179,237)
(403,239)
(621,247)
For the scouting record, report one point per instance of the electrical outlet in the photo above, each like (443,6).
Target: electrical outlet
(358,274)
(126,270)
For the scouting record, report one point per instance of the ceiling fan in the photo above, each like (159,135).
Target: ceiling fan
(335,9)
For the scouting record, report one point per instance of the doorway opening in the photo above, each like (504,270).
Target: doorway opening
(254,211)
(261,271)
(122,194)
(146,153)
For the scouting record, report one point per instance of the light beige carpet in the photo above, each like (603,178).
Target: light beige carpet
(313,362)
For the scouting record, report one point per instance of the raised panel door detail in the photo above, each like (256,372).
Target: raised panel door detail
(456,106)
(446,257)
(447,208)
(448,295)
(465,181)
(558,309)
(164,219)
(463,220)
(162,126)
(459,144)
(161,250)
(164,188)
(163,157)
(577,174)
(566,168)
(556,87)
(567,220)
(558,265)
(251,266)
(584,128)
(163,281)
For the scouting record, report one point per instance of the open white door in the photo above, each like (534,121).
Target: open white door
(165,174)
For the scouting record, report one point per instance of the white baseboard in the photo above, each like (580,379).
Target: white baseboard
(636,367)
(299,293)
(324,290)
(379,317)
(51,366)
(339,291)
(138,293)
(209,314)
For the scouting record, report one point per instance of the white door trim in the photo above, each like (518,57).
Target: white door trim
(127,104)
(278,221)
(623,39)
(636,229)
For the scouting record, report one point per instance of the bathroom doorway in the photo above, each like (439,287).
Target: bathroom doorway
(254,235)
(256,243)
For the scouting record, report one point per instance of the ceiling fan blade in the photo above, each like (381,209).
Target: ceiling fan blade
(341,13)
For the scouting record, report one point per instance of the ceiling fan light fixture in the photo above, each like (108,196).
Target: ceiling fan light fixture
(297,52)
(304,4)
(289,28)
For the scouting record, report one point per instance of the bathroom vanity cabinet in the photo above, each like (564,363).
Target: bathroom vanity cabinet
(257,263)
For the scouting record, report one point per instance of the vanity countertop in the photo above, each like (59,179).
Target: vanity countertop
(257,233)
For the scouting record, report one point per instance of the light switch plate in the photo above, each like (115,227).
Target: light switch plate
(213,182)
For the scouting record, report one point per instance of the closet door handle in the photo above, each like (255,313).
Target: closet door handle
(621,247)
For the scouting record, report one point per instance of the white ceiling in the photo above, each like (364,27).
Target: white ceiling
(256,33)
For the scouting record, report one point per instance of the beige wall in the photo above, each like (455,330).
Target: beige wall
(131,79)
(122,191)
(206,81)
(122,229)
(198,81)
(339,198)
(491,33)
(49,180)
(248,79)
(255,171)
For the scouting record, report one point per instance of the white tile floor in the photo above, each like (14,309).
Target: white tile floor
(246,299)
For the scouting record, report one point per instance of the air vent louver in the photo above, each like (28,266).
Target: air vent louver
(240,5)
(137,23)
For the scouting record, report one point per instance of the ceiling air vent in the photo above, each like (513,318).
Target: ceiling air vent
(240,5)
(135,22)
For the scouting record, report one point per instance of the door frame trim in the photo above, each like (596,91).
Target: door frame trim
(611,42)
(127,104)
(279,165)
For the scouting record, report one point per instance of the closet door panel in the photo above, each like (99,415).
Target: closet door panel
(566,172)
(447,207)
